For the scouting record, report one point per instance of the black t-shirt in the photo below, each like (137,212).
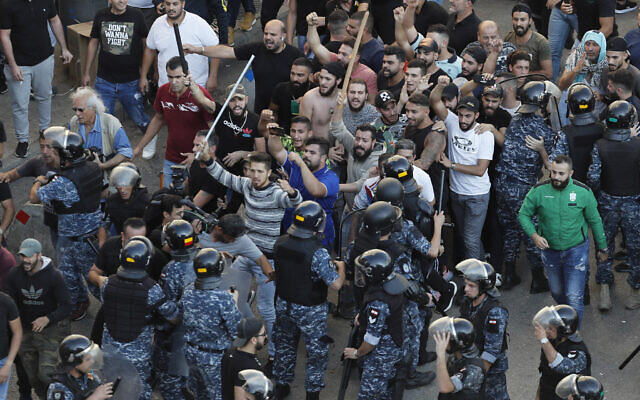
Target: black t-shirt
(431,13)
(589,13)
(33,167)
(333,5)
(500,119)
(200,179)
(3,133)
(108,258)
(120,44)
(383,84)
(287,98)
(232,363)
(464,32)
(28,22)
(269,68)
(417,136)
(306,7)
(5,192)
(8,313)
(236,133)
(433,79)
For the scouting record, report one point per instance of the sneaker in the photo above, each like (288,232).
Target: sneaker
(21,149)
(446,299)
(247,21)
(81,311)
(150,149)
(626,7)
(281,391)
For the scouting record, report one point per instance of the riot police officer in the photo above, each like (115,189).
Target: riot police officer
(615,170)
(577,139)
(580,387)
(380,321)
(527,144)
(256,385)
(131,199)
(461,376)
(168,359)
(210,317)
(130,298)
(489,319)
(74,194)
(76,380)
(563,351)
(304,272)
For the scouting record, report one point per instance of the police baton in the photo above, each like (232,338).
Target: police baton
(347,362)
(628,359)
(183,60)
(226,102)
(446,224)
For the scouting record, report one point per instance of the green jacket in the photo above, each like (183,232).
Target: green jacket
(563,215)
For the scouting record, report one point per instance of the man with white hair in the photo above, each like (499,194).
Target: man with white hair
(102,133)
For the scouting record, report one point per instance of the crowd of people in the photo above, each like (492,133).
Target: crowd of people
(375,126)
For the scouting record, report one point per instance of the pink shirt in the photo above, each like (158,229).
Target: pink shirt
(363,72)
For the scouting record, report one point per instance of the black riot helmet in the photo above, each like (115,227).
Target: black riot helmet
(135,257)
(74,348)
(125,174)
(390,190)
(481,273)
(533,97)
(380,218)
(179,236)
(621,116)
(462,334)
(581,387)
(563,317)
(208,263)
(70,147)
(581,99)
(257,384)
(400,168)
(308,219)
(376,265)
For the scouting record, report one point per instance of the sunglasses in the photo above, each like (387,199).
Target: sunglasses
(77,109)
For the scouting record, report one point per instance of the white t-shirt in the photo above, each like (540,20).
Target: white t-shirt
(467,147)
(140,3)
(424,181)
(365,197)
(193,30)
(512,111)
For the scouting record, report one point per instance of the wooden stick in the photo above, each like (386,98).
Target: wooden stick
(352,58)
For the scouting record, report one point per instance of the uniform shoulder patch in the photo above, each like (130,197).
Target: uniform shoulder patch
(581,185)
(58,395)
(544,182)
(572,354)
(374,313)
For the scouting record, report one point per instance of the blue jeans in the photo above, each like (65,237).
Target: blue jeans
(4,387)
(469,213)
(129,96)
(265,295)
(567,272)
(166,173)
(560,24)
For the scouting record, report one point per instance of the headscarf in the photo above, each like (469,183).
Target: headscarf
(591,73)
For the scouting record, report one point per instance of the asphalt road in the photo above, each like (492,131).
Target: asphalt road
(610,336)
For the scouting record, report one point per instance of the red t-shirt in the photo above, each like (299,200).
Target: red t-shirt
(184,118)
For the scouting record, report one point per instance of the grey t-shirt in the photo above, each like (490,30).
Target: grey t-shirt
(242,246)
(353,119)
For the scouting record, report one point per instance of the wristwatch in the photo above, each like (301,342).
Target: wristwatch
(355,353)
(453,166)
(544,340)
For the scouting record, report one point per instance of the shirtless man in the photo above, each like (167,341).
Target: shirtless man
(318,104)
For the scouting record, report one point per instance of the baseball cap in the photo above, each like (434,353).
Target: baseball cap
(383,98)
(29,247)
(617,44)
(247,328)
(428,45)
(240,91)
(450,91)
(494,90)
(470,103)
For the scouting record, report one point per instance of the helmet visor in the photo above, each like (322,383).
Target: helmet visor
(567,386)
(55,135)
(94,353)
(547,317)
(123,176)
(444,324)
(473,270)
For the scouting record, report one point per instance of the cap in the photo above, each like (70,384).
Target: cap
(617,44)
(29,247)
(477,52)
(334,68)
(450,91)
(495,90)
(383,97)
(470,103)
(240,91)
(247,328)
(429,45)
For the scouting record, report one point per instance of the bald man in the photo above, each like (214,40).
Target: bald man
(497,50)
(271,66)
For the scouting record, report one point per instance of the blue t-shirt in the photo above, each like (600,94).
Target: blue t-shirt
(329,179)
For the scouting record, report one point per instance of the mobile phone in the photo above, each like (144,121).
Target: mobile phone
(278,131)
(115,385)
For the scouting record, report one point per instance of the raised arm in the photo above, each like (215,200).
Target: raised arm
(276,149)
(435,99)
(401,35)
(292,18)
(217,51)
(321,52)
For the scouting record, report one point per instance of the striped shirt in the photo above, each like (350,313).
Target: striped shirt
(264,207)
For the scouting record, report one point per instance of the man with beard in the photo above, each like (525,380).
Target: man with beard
(359,111)
(343,56)
(587,63)
(448,60)
(390,123)
(362,148)
(497,50)
(620,87)
(470,148)
(473,59)
(309,174)
(463,24)
(419,123)
(299,131)
(524,38)
(391,77)
(566,209)
(286,97)
(252,336)
(272,63)
(427,52)
(237,132)
(618,58)
(319,103)
(186,108)
(372,49)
